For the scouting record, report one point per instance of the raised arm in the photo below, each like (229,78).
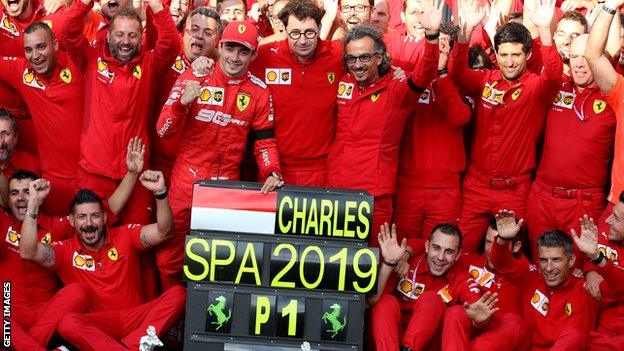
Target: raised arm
(501,256)
(30,248)
(391,252)
(602,69)
(134,163)
(75,42)
(173,114)
(425,70)
(156,233)
(167,45)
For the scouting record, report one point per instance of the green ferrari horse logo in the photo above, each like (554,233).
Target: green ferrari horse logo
(218,310)
(333,318)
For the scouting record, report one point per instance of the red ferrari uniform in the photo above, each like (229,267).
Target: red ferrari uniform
(12,29)
(418,303)
(574,169)
(304,127)
(558,318)
(506,324)
(227,110)
(365,153)
(509,120)
(432,157)
(165,151)
(36,305)
(118,99)
(609,333)
(404,50)
(27,142)
(112,275)
(57,106)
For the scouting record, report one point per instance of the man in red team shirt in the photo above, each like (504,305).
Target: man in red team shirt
(53,90)
(604,276)
(37,306)
(510,111)
(220,109)
(202,32)
(506,323)
(16,15)
(413,306)
(428,190)
(557,309)
(302,73)
(107,262)
(578,138)
(120,78)
(372,110)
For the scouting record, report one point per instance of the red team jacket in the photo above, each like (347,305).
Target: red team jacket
(118,96)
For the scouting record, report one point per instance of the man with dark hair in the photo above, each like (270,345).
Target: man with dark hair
(557,309)
(179,10)
(232,10)
(409,310)
(121,80)
(37,303)
(355,13)
(107,262)
(570,25)
(53,89)
(372,110)
(604,275)
(578,137)
(510,114)
(202,32)
(222,109)
(304,127)
(428,189)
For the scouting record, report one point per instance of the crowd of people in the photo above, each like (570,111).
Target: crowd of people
(517,245)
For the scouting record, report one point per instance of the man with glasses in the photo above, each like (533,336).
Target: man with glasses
(218,113)
(302,73)
(578,146)
(201,34)
(372,110)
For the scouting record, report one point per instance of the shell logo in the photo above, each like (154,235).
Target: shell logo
(272,76)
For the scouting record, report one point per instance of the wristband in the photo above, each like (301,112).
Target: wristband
(162,196)
(390,264)
(608,10)
(432,36)
(32,215)
(598,260)
(276,175)
(442,71)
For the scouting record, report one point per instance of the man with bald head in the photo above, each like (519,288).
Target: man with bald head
(578,146)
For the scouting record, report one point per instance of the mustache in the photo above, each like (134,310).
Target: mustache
(89,229)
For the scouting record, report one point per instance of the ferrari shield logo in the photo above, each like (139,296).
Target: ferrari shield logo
(6,24)
(48,23)
(331,77)
(137,72)
(374,96)
(515,94)
(241,28)
(46,239)
(599,106)
(66,75)
(568,309)
(242,101)
(112,254)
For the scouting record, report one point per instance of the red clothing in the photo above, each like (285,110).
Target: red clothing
(118,95)
(304,128)
(554,316)
(509,115)
(365,153)
(404,50)
(112,274)
(227,110)
(578,138)
(57,106)
(12,29)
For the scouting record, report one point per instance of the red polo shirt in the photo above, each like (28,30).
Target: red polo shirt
(578,139)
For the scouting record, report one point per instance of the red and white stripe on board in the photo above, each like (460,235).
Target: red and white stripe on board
(234,210)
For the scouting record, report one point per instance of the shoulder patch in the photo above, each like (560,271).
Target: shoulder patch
(256,80)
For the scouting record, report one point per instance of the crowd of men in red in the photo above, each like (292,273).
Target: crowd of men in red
(517,246)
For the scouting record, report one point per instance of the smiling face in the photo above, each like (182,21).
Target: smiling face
(18,197)
(8,139)
(200,36)
(581,74)
(565,33)
(410,17)
(442,252)
(111,7)
(555,265)
(511,60)
(125,38)
(89,221)
(40,49)
(234,58)
(350,15)
(365,67)
(16,8)
(179,9)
